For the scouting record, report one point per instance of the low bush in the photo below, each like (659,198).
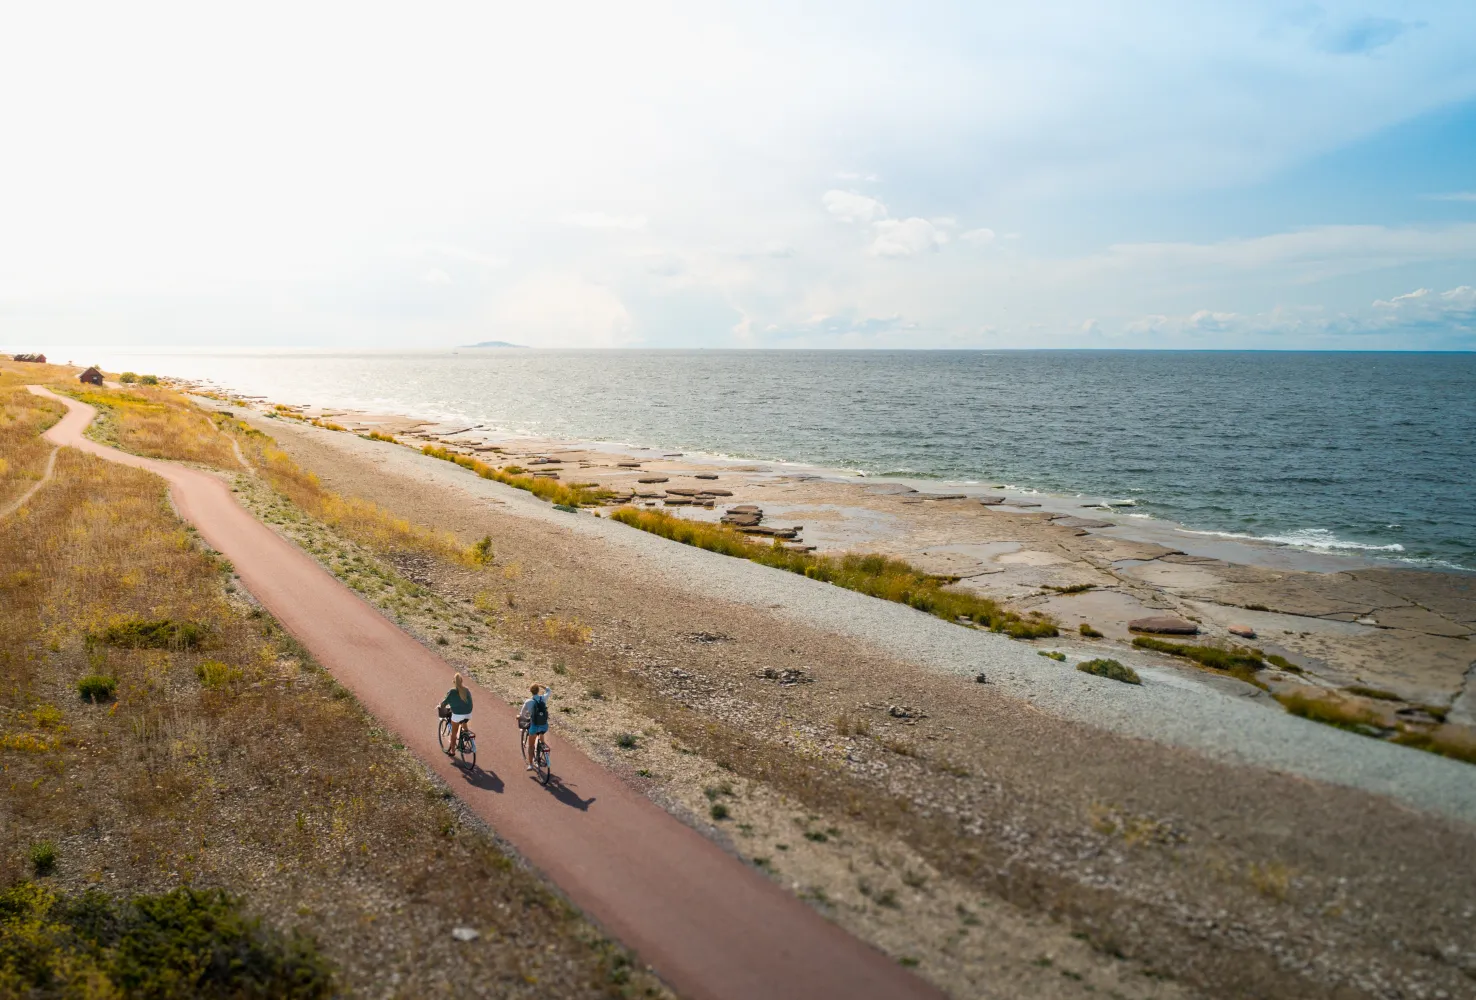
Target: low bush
(1447,741)
(377,436)
(1089,632)
(155,633)
(214,674)
(871,573)
(1075,588)
(626,741)
(97,688)
(43,857)
(1052,654)
(148,380)
(1110,669)
(482,550)
(1371,692)
(128,378)
(719,811)
(178,945)
(1330,710)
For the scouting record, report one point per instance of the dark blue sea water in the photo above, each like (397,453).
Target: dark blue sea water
(1370,453)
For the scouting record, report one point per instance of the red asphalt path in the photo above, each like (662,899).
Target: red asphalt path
(709,925)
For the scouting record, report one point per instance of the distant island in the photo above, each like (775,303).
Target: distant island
(494,343)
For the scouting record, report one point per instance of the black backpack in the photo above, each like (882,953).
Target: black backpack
(540,712)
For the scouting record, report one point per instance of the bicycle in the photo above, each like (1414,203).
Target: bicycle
(467,744)
(541,758)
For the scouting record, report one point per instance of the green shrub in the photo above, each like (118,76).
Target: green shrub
(1110,669)
(719,811)
(872,574)
(1089,632)
(158,633)
(214,674)
(1075,588)
(626,741)
(149,379)
(43,857)
(1052,654)
(1371,692)
(97,688)
(128,377)
(179,945)
(1283,663)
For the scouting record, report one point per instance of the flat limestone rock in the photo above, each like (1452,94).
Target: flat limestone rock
(1163,625)
(1244,631)
(627,465)
(652,479)
(991,501)
(677,501)
(1023,503)
(714,492)
(705,475)
(1081,522)
(889,489)
(744,508)
(944,496)
(682,491)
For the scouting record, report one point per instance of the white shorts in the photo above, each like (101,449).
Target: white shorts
(460,718)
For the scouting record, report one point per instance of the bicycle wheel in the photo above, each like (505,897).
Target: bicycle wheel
(468,749)
(443,735)
(541,760)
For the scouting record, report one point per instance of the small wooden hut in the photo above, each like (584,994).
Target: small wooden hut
(39,359)
(91,376)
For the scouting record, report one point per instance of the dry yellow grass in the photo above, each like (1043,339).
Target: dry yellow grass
(23,453)
(158,423)
(234,762)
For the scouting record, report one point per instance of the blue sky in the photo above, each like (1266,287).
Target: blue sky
(1059,174)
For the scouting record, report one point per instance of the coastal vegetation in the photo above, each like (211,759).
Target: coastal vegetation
(577,495)
(23,452)
(157,423)
(1239,663)
(1111,669)
(876,575)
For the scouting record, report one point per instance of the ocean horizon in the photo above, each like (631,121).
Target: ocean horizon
(1363,453)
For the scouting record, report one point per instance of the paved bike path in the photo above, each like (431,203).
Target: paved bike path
(711,926)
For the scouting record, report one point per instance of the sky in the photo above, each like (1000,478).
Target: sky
(1183,175)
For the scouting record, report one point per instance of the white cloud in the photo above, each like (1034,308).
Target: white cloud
(906,237)
(435,276)
(603,220)
(848,206)
(1456,306)
(978,237)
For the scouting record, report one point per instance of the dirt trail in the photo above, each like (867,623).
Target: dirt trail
(706,922)
(17,504)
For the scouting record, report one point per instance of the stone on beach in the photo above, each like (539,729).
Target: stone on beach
(652,479)
(1080,522)
(677,501)
(682,491)
(627,465)
(1023,503)
(705,475)
(991,501)
(745,508)
(1163,625)
(712,492)
(1244,631)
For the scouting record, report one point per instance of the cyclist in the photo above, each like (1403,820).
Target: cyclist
(534,721)
(459,700)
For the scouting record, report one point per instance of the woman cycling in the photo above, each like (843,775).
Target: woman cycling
(534,721)
(459,700)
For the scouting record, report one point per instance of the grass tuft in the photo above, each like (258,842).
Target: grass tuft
(872,574)
(1088,631)
(154,633)
(1241,664)
(1111,669)
(43,857)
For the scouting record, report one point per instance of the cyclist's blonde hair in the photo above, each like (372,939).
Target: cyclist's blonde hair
(460,681)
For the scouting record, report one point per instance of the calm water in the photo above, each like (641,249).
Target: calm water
(1372,453)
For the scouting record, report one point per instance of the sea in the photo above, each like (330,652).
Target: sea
(1370,454)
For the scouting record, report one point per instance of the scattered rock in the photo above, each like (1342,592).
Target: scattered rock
(1080,522)
(652,479)
(889,489)
(1163,625)
(745,508)
(627,465)
(903,712)
(944,496)
(1023,503)
(705,475)
(991,501)
(708,637)
(465,933)
(678,501)
(682,491)
(786,677)
(980,678)
(714,492)
(1244,631)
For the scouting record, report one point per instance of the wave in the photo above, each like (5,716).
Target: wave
(1304,538)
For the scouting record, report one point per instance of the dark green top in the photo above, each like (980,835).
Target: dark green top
(460,702)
